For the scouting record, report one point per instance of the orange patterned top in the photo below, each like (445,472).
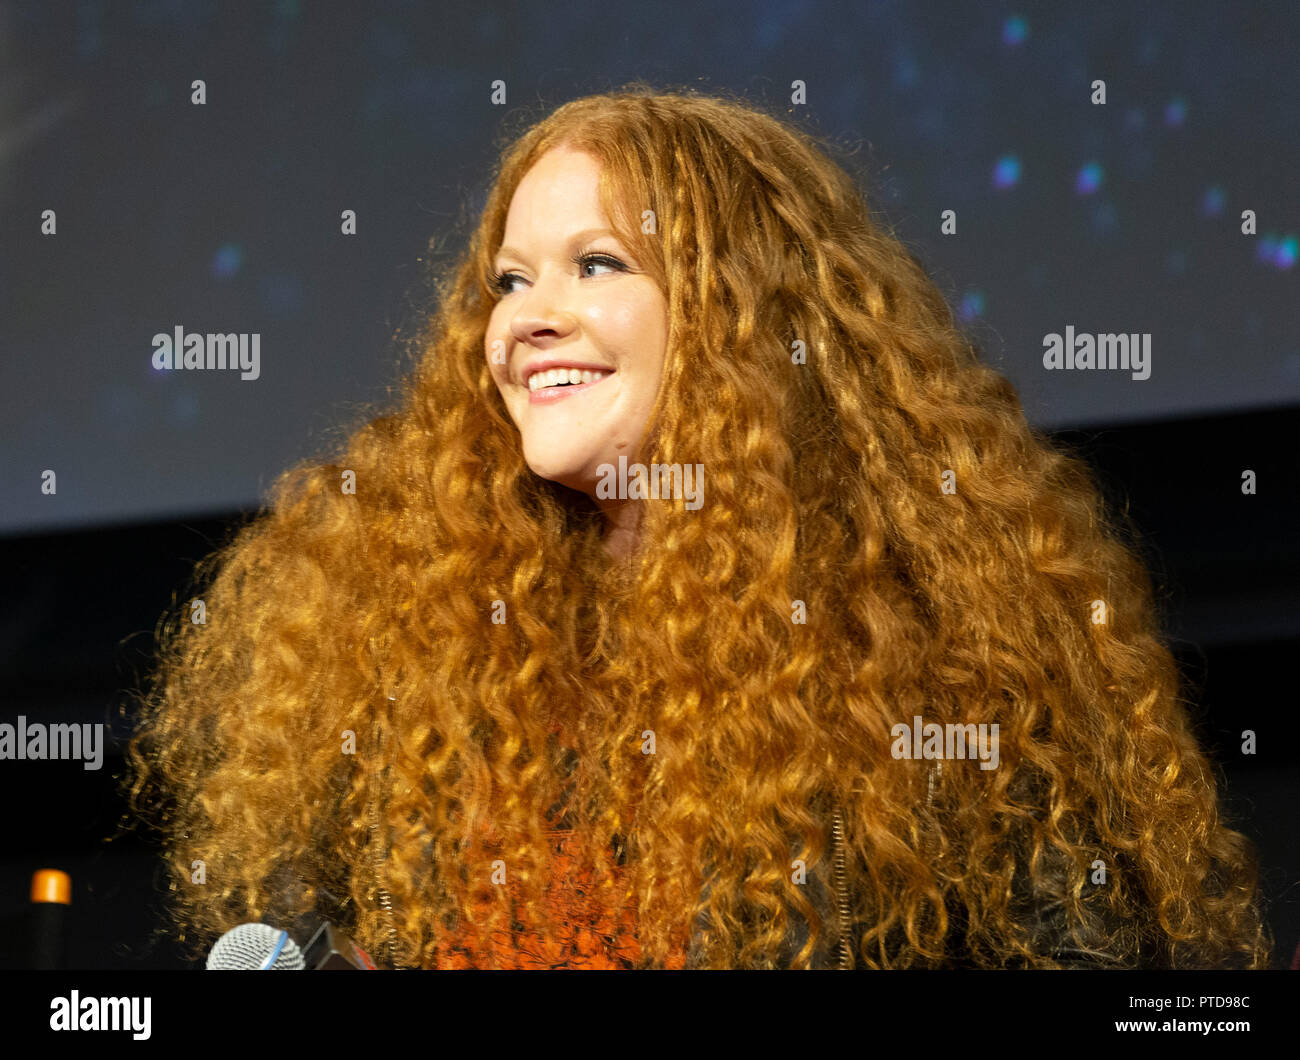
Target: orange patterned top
(590,936)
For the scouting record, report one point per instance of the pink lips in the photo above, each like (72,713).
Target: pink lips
(558,393)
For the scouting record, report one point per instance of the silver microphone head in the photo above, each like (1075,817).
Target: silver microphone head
(255,947)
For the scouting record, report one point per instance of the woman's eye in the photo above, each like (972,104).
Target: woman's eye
(504,282)
(602,260)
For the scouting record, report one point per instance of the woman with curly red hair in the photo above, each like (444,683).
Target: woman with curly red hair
(471,693)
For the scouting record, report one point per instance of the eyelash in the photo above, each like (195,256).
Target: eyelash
(500,281)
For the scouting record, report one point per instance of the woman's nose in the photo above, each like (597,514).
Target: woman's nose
(543,310)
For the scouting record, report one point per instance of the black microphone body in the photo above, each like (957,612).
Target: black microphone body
(49,935)
(47,919)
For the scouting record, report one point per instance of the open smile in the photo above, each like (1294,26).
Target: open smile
(550,394)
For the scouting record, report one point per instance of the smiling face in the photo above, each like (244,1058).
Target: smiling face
(574,306)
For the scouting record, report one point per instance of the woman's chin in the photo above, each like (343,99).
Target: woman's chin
(575,473)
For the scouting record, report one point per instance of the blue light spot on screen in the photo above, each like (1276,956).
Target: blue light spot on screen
(972,306)
(905,69)
(281,295)
(1014,30)
(1089,178)
(1277,251)
(1175,112)
(1006,174)
(1286,252)
(226,261)
(1212,201)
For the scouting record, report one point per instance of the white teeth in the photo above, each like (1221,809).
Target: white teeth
(554,376)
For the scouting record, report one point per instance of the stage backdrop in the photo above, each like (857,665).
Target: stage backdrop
(1107,172)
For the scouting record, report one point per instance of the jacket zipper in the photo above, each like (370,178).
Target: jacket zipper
(841,895)
(384,898)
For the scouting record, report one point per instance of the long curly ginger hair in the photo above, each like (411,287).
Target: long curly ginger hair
(372,614)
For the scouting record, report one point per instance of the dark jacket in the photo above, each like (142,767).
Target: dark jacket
(837,949)
(840,944)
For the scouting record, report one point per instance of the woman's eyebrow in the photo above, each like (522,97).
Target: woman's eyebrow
(577,237)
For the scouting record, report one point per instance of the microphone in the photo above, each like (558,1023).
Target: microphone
(51,897)
(261,947)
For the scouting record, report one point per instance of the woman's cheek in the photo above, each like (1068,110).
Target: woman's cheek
(495,352)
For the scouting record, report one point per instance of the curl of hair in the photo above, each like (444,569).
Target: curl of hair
(369,617)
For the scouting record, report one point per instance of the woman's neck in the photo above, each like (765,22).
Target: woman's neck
(622,527)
